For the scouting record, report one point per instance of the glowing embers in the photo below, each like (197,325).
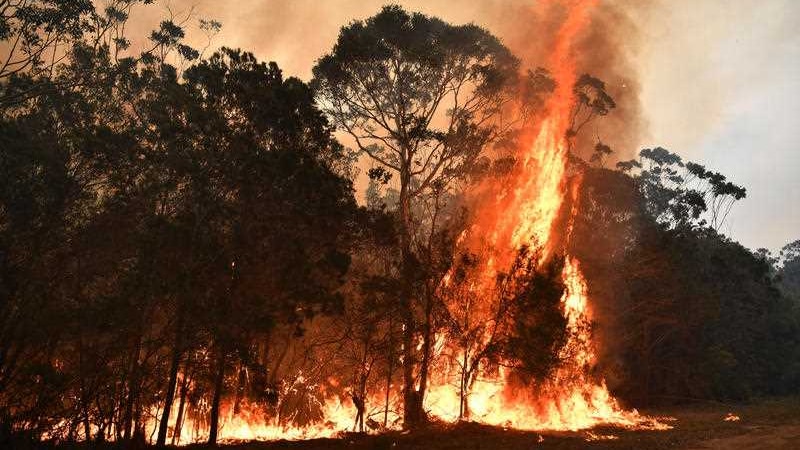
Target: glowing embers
(731,417)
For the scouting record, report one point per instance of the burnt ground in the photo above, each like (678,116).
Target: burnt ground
(765,425)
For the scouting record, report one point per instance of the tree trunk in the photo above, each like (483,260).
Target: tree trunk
(87,429)
(133,389)
(177,351)
(427,334)
(241,382)
(218,384)
(411,402)
(410,409)
(389,372)
(463,407)
(176,432)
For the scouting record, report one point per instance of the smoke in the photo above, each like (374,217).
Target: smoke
(296,33)
(608,49)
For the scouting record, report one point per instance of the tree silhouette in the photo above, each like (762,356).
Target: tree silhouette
(421,98)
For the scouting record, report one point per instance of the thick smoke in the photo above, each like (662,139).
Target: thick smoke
(296,33)
(607,49)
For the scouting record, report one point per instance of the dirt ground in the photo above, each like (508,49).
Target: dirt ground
(780,437)
(769,425)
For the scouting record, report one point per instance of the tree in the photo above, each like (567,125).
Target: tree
(681,308)
(679,194)
(789,271)
(41,36)
(36,30)
(274,216)
(421,98)
(153,229)
(522,326)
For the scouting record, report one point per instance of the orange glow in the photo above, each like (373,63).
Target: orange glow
(252,424)
(520,211)
(522,214)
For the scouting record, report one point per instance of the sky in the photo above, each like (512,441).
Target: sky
(721,85)
(719,80)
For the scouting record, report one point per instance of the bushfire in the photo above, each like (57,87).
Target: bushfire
(521,212)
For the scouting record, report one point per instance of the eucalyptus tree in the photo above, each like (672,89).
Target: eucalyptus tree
(148,214)
(278,214)
(422,99)
(41,36)
(682,194)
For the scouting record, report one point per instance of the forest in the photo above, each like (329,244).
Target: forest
(189,237)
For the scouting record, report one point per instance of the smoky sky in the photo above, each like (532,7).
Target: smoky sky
(715,81)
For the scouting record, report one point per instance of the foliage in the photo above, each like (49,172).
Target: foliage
(686,313)
(789,271)
(679,194)
(388,78)
(538,327)
(155,224)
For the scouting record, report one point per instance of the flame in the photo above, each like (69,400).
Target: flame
(731,417)
(252,421)
(520,212)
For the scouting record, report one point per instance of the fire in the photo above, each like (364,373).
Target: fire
(252,424)
(251,421)
(570,400)
(521,213)
(731,417)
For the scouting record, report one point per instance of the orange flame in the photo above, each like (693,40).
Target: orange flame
(525,211)
(521,213)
